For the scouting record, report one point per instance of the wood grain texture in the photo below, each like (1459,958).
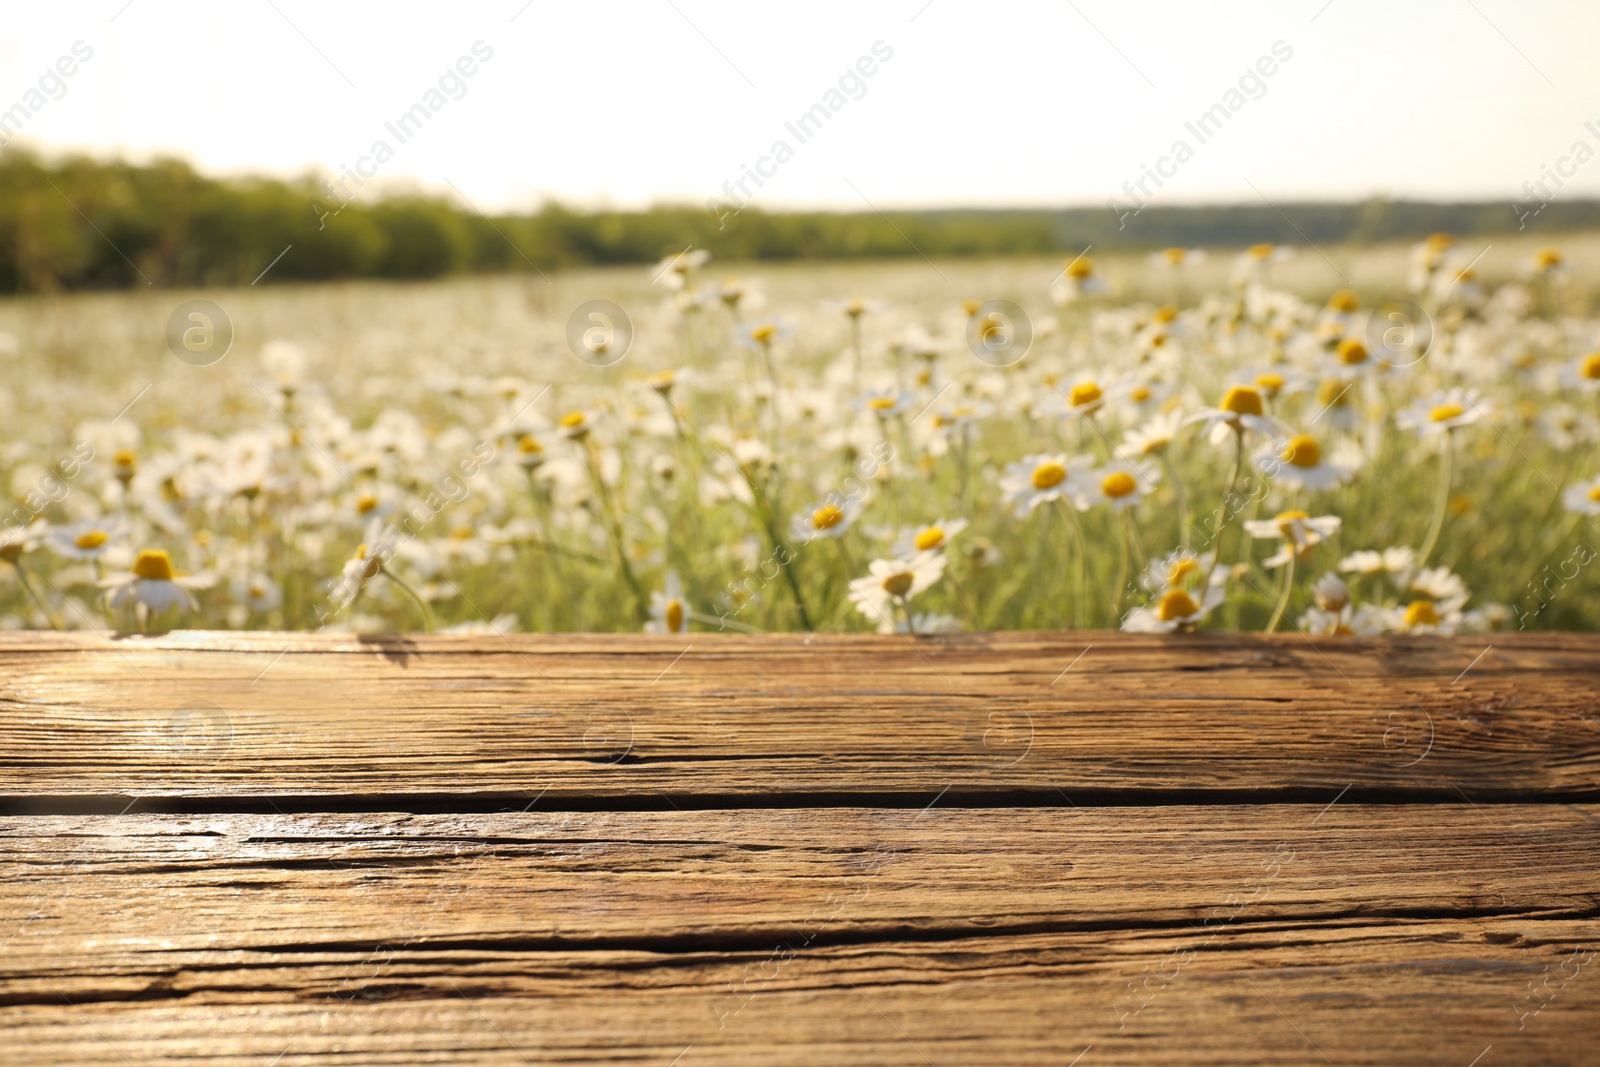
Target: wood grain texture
(1351,994)
(805,935)
(630,716)
(984,849)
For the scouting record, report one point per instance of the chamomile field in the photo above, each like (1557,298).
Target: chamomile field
(1339,440)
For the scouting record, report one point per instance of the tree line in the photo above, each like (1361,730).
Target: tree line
(81,223)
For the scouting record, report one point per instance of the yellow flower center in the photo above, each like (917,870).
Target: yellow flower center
(1352,352)
(971,306)
(1181,568)
(674,615)
(1080,268)
(1546,258)
(572,420)
(929,537)
(827,517)
(858,307)
(1048,475)
(1139,394)
(1166,313)
(1421,613)
(1594,493)
(461,533)
(1344,300)
(1303,451)
(125,458)
(366,502)
(527,445)
(153,564)
(1270,383)
(1262,251)
(1176,604)
(881,403)
(899,583)
(1333,392)
(1085,393)
(91,539)
(1288,520)
(1175,256)
(1446,412)
(764,333)
(1591,366)
(11,551)
(1242,400)
(1118,484)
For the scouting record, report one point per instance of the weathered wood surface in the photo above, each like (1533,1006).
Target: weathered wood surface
(799,851)
(648,720)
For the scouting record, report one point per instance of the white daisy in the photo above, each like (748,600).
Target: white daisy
(1084,398)
(669,611)
(1176,610)
(1298,530)
(257,592)
(1442,412)
(1076,280)
(1119,483)
(153,585)
(1039,479)
(1330,592)
(1583,373)
(1424,616)
(1351,359)
(1154,437)
(885,403)
(86,539)
(1396,560)
(674,270)
(1320,622)
(1435,583)
(1240,409)
(891,583)
(1583,498)
(826,518)
(1300,464)
(1182,569)
(933,537)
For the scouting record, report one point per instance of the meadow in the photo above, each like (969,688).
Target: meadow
(1200,439)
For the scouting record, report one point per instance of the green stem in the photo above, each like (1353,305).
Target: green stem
(1180,498)
(766,515)
(1447,473)
(427,613)
(1120,591)
(641,602)
(1224,513)
(1288,589)
(855,351)
(22,576)
(1082,569)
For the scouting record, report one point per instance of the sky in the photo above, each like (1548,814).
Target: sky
(926,102)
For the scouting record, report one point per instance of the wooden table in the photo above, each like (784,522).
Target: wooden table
(1011,848)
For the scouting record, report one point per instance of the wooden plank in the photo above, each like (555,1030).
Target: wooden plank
(671,880)
(591,720)
(1386,933)
(1351,993)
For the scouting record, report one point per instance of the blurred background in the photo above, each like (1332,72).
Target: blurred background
(525,315)
(167,143)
